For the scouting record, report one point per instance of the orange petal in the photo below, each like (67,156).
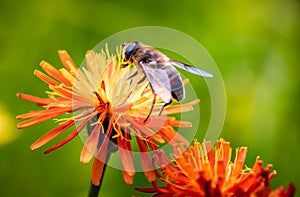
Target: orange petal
(45,78)
(38,119)
(168,168)
(186,167)
(171,136)
(180,123)
(141,130)
(69,137)
(98,165)
(209,151)
(126,157)
(281,192)
(146,161)
(52,134)
(272,174)
(49,112)
(197,154)
(67,61)
(245,184)
(226,153)
(239,161)
(156,138)
(90,145)
(128,177)
(62,90)
(257,167)
(180,108)
(37,100)
(68,75)
(208,172)
(52,71)
(220,173)
(97,171)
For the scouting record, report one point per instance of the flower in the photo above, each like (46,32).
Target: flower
(207,171)
(100,98)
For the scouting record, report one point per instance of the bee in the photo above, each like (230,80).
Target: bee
(164,80)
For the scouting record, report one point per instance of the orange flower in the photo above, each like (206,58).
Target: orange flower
(207,171)
(100,98)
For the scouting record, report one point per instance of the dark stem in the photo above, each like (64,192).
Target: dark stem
(112,147)
(94,189)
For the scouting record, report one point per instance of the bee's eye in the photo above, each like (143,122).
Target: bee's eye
(129,50)
(128,54)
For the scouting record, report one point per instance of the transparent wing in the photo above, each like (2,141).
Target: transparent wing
(159,80)
(191,69)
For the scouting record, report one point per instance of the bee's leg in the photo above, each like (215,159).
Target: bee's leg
(165,105)
(132,75)
(145,89)
(126,98)
(124,65)
(140,81)
(128,95)
(151,109)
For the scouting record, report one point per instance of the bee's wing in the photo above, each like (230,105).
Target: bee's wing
(159,81)
(191,69)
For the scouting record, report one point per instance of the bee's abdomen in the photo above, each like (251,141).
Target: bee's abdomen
(176,83)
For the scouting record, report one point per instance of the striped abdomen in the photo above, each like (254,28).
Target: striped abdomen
(177,87)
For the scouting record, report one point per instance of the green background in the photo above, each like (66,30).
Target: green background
(255,44)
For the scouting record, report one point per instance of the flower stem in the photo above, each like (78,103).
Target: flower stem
(94,189)
(112,147)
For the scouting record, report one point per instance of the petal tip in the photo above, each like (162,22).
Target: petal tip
(62,52)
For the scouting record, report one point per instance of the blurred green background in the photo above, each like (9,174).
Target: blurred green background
(255,44)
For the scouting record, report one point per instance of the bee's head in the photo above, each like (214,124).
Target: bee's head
(128,49)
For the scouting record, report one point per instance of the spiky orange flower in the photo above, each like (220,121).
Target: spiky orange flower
(99,97)
(206,171)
